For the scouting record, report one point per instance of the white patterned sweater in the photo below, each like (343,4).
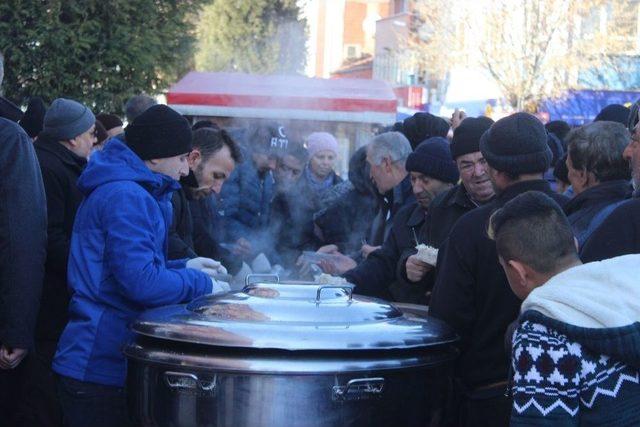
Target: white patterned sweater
(576,352)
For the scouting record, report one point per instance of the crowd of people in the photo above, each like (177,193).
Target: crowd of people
(534,232)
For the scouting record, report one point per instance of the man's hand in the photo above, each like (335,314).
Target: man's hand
(11,357)
(328,249)
(416,269)
(219,287)
(208,266)
(242,247)
(337,266)
(367,249)
(456,118)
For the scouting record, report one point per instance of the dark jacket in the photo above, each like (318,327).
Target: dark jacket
(472,294)
(292,228)
(23,236)
(433,230)
(618,235)
(389,204)
(118,264)
(347,221)
(60,171)
(375,275)
(584,210)
(348,209)
(246,201)
(189,235)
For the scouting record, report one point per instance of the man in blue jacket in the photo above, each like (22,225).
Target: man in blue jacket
(247,195)
(118,262)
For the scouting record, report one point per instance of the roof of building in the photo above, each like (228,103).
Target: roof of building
(283,97)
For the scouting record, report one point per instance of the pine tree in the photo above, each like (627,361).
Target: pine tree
(99,52)
(254,36)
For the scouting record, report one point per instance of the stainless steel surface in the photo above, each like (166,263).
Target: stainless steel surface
(289,354)
(392,398)
(359,389)
(294,316)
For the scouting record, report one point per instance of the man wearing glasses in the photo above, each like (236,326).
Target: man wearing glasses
(619,234)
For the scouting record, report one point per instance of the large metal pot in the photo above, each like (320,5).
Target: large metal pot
(288,355)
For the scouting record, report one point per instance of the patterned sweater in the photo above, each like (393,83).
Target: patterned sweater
(567,370)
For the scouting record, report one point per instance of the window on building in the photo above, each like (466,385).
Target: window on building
(400,6)
(352,51)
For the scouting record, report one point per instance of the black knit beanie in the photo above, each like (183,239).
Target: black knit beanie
(466,137)
(109,121)
(33,119)
(158,133)
(614,113)
(422,126)
(517,144)
(433,158)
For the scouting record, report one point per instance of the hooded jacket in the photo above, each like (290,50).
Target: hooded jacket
(118,263)
(576,353)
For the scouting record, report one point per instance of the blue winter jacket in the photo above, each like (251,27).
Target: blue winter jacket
(118,263)
(246,201)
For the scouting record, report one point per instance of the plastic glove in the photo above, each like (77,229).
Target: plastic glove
(219,287)
(202,263)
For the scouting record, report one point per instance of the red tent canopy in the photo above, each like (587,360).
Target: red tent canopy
(283,97)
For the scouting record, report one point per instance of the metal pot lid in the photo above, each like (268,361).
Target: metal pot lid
(294,316)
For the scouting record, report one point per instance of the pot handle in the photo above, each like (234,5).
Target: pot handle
(256,278)
(183,380)
(359,389)
(347,288)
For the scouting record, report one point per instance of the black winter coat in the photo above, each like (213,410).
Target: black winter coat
(443,213)
(583,208)
(347,220)
(23,236)
(189,235)
(618,235)
(377,273)
(60,171)
(472,294)
(400,196)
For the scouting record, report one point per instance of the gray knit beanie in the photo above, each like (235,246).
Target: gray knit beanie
(66,119)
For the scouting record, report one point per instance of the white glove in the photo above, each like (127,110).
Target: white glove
(219,287)
(206,265)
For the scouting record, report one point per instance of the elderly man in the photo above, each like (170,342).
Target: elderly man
(598,173)
(432,172)
(619,234)
(386,156)
(471,292)
(445,210)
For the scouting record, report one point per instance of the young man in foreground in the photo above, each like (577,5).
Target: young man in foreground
(576,350)
(118,262)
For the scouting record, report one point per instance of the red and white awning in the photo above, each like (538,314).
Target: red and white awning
(283,97)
